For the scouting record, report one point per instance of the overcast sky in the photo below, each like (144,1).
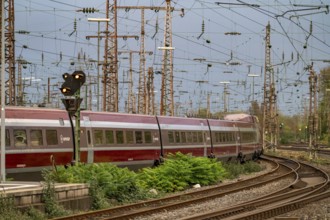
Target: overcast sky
(299,35)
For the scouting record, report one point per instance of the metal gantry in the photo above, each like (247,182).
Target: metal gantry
(9,29)
(270,128)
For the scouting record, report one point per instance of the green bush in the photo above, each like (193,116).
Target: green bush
(52,208)
(180,171)
(109,180)
(8,211)
(235,169)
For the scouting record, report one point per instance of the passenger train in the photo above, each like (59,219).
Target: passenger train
(35,135)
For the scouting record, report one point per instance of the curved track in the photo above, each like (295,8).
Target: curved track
(312,185)
(279,171)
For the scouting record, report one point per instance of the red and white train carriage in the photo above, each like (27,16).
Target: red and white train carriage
(34,135)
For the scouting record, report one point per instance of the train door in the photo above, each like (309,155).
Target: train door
(206,139)
(89,140)
(238,140)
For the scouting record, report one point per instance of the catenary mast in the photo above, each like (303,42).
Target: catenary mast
(270,134)
(9,28)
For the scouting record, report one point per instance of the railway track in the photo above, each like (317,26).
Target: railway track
(304,148)
(313,185)
(286,170)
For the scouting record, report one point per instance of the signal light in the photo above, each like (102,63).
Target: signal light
(72,82)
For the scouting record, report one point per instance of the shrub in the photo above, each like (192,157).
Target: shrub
(8,211)
(180,171)
(235,169)
(107,179)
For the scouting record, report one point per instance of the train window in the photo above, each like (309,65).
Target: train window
(51,137)
(7,138)
(120,137)
(194,137)
(36,138)
(177,137)
(129,137)
(98,137)
(170,137)
(183,137)
(147,137)
(89,137)
(200,137)
(20,138)
(138,137)
(189,137)
(109,139)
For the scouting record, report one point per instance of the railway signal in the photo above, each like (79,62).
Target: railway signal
(72,82)
(71,87)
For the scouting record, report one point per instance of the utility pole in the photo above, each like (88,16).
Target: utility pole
(9,28)
(269,107)
(313,116)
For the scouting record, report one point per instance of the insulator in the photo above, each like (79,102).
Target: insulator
(23,32)
(203,26)
(156,26)
(42,58)
(75,24)
(89,10)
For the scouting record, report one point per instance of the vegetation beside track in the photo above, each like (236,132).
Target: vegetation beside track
(111,185)
(299,155)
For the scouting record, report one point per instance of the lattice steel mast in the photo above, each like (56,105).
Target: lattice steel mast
(142,89)
(150,98)
(166,102)
(130,98)
(9,51)
(110,66)
(269,108)
(313,116)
